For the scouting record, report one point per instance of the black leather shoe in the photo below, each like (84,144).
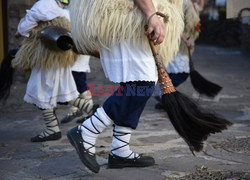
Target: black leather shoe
(120,162)
(82,119)
(70,117)
(51,137)
(88,158)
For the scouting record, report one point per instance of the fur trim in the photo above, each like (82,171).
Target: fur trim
(33,53)
(191,19)
(103,23)
(178,4)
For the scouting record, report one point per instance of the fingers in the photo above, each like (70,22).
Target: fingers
(158,35)
(190,44)
(149,30)
(156,30)
(17,35)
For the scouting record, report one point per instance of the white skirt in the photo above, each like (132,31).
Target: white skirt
(47,87)
(179,64)
(128,62)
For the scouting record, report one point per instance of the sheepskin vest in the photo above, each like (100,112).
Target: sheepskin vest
(192,24)
(34,53)
(102,23)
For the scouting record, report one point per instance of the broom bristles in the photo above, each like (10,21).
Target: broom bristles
(192,123)
(202,85)
(6,75)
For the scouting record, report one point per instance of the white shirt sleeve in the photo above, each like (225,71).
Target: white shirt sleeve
(43,10)
(27,23)
(82,64)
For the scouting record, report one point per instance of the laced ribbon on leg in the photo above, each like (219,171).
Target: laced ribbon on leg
(90,129)
(74,111)
(85,105)
(51,123)
(88,97)
(120,143)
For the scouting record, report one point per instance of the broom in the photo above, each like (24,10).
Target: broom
(191,122)
(200,84)
(6,74)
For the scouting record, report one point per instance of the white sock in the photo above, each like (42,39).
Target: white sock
(92,127)
(84,102)
(120,142)
(88,97)
(73,110)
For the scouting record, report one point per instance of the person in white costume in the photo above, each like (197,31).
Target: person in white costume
(79,71)
(51,80)
(178,69)
(116,28)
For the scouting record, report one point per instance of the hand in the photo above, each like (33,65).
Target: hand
(156,29)
(189,44)
(17,35)
(187,41)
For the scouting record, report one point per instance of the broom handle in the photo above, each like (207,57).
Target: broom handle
(191,64)
(153,47)
(165,82)
(154,50)
(189,54)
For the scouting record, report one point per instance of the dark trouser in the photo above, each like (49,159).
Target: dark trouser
(81,85)
(80,80)
(178,78)
(127,103)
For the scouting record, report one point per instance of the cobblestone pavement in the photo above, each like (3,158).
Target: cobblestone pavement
(226,155)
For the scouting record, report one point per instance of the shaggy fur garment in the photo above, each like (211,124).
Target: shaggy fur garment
(103,23)
(33,53)
(191,19)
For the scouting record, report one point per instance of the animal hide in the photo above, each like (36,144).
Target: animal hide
(33,53)
(103,23)
(192,22)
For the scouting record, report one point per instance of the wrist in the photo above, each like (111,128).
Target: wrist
(149,17)
(183,39)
